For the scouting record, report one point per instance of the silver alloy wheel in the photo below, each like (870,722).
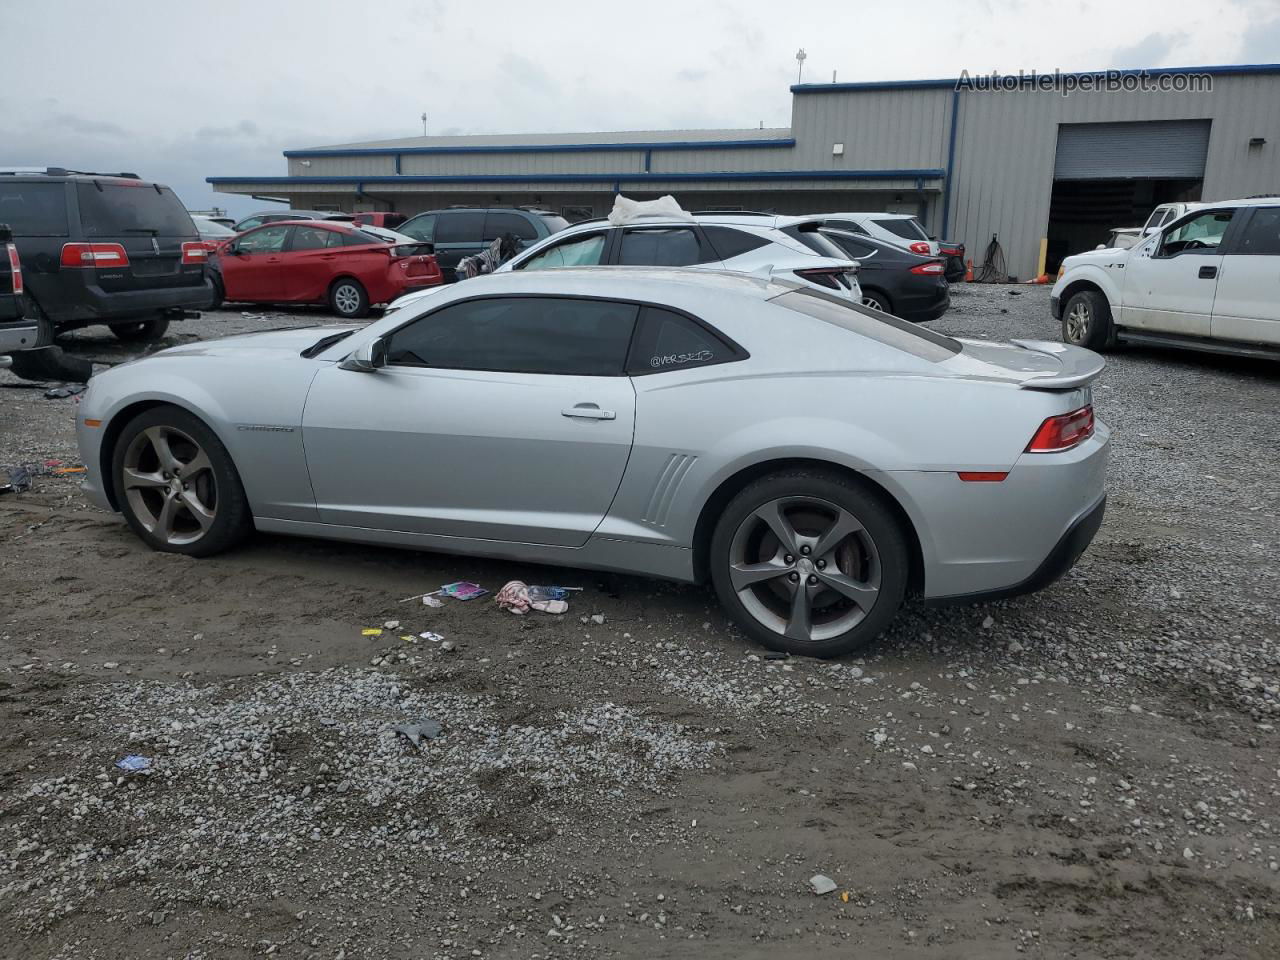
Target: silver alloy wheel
(168,480)
(804,568)
(874,304)
(346,298)
(1078,321)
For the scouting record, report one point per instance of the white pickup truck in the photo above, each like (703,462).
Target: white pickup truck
(1208,280)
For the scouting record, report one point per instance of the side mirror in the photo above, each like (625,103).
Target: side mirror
(5,233)
(367,357)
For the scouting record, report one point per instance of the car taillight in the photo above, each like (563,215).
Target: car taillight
(16,265)
(93,255)
(832,277)
(196,251)
(932,268)
(1063,432)
(920,246)
(951,251)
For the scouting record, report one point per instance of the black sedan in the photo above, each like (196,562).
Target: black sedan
(908,285)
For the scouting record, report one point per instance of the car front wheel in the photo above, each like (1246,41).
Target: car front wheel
(810,563)
(176,485)
(348,299)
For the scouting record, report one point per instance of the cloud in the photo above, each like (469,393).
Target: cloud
(83,126)
(1262,43)
(1151,51)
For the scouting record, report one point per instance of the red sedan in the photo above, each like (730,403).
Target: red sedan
(320,261)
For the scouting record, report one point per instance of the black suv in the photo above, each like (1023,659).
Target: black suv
(104,248)
(16,333)
(465,231)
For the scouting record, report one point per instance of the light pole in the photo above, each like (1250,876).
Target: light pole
(424,124)
(801,56)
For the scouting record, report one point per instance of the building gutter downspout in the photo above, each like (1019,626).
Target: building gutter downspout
(360,192)
(951,162)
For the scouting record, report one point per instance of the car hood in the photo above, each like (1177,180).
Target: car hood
(269,342)
(1100,258)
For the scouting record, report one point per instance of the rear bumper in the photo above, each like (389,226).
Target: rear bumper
(999,539)
(1069,548)
(18,335)
(921,303)
(80,300)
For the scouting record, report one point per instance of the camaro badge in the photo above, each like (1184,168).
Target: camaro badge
(264,426)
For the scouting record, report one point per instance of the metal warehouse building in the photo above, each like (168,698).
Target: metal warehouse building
(1014,158)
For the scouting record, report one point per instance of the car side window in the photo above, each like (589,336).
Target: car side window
(314,238)
(464,226)
(854,248)
(266,240)
(1201,234)
(1262,234)
(496,224)
(420,228)
(662,247)
(666,341)
(542,335)
(730,243)
(578,251)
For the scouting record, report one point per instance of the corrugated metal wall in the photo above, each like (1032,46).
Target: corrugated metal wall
(1000,182)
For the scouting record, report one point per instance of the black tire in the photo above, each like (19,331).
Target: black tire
(1086,321)
(50,363)
(140,330)
(232,519)
(348,298)
(219,294)
(881,300)
(886,560)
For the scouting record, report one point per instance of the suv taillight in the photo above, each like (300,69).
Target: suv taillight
(1063,432)
(94,255)
(932,268)
(16,264)
(196,251)
(920,246)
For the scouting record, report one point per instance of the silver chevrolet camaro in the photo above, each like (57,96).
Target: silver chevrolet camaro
(815,460)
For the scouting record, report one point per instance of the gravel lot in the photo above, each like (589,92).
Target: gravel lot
(1091,771)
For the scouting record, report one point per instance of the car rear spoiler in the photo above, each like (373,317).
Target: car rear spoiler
(1079,368)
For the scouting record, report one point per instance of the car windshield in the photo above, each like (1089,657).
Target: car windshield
(211,228)
(114,209)
(883,327)
(389,236)
(905,227)
(555,223)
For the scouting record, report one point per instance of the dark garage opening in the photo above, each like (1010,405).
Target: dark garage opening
(1109,175)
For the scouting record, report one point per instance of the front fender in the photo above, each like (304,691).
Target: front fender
(254,407)
(1099,276)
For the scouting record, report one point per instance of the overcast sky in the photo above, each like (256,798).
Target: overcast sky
(180,91)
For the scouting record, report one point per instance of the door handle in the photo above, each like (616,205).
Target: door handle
(588,411)
(1208,273)
(328,256)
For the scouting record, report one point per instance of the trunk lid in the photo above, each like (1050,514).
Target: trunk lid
(1031,364)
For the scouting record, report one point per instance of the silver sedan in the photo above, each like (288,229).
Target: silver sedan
(815,460)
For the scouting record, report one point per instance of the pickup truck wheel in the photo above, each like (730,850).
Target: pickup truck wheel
(140,330)
(1086,321)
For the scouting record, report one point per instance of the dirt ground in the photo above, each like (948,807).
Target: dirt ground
(1091,771)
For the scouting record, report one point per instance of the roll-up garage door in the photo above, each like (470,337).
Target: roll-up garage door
(1158,149)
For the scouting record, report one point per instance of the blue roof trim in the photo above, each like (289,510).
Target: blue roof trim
(548,148)
(930,174)
(1222,70)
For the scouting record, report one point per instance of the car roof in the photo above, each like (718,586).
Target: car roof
(641,282)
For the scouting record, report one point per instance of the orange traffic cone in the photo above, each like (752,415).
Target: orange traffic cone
(968,273)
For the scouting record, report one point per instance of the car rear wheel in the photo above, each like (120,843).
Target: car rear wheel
(176,485)
(140,330)
(876,301)
(348,298)
(809,563)
(1086,321)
